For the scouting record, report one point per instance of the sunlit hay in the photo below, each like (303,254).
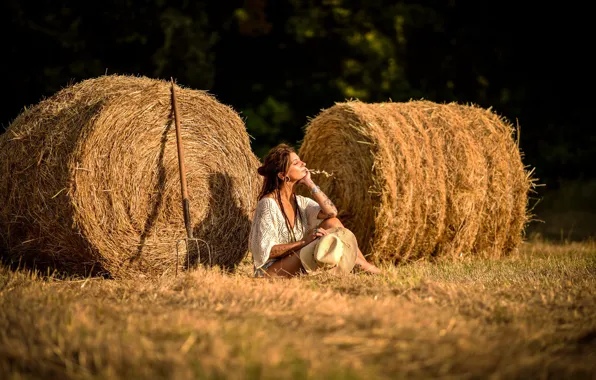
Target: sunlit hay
(382,177)
(494,137)
(413,179)
(90,178)
(505,221)
(413,231)
(339,142)
(402,146)
(466,181)
(397,160)
(522,183)
(433,198)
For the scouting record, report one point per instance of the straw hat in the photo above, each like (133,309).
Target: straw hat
(335,251)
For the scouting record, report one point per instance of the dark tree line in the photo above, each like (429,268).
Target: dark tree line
(280,62)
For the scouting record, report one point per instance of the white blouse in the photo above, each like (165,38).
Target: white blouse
(269,226)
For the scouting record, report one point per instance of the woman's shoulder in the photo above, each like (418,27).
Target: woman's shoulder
(265,202)
(267,198)
(265,208)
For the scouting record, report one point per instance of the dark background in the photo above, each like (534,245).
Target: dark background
(280,62)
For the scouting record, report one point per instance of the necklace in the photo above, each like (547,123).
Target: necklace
(287,220)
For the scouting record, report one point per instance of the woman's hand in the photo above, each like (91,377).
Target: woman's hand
(306,180)
(315,233)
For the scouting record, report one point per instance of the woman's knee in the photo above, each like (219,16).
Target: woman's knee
(331,223)
(286,267)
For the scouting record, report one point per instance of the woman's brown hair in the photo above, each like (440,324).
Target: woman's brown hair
(277,161)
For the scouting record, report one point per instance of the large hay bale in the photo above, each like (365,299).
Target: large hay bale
(421,179)
(89,177)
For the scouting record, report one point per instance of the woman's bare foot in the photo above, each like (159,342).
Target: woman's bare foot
(367,267)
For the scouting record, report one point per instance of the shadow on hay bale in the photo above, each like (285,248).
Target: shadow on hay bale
(421,179)
(89,178)
(221,207)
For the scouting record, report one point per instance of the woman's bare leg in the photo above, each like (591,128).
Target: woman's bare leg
(360,260)
(289,266)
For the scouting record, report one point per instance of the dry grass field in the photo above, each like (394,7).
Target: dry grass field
(531,315)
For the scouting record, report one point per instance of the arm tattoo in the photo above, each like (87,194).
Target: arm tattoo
(328,202)
(325,203)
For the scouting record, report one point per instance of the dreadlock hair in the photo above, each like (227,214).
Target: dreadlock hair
(278,161)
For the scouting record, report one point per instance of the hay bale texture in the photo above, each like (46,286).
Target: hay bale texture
(420,179)
(89,178)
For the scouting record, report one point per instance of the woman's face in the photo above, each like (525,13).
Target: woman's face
(297,169)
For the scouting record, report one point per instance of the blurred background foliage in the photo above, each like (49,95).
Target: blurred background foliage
(280,63)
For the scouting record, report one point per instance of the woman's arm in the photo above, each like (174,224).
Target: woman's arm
(328,209)
(281,250)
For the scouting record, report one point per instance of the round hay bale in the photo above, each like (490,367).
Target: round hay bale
(89,178)
(420,179)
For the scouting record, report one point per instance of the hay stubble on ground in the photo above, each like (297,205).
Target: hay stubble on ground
(531,315)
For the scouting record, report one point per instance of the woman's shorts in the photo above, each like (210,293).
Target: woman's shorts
(261,272)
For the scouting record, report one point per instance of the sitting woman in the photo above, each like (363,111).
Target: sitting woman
(284,222)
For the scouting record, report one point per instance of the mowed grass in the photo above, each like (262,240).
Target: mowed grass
(531,315)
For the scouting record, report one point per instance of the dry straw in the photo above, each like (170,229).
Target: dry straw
(421,179)
(89,178)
